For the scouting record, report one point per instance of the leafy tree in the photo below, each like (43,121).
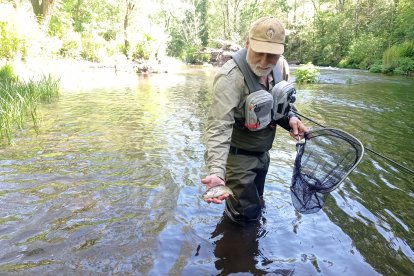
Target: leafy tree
(187,25)
(331,38)
(363,52)
(404,22)
(227,15)
(130,6)
(202,9)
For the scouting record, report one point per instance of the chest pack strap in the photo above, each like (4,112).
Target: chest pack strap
(251,79)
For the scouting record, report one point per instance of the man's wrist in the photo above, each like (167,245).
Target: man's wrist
(221,178)
(292,114)
(218,174)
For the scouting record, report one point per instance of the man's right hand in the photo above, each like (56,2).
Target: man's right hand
(212,181)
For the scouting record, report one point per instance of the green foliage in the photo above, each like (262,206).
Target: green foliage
(91,46)
(109,35)
(325,41)
(175,45)
(346,33)
(189,55)
(332,39)
(144,48)
(376,67)
(57,27)
(71,45)
(202,9)
(10,43)
(203,58)
(7,74)
(404,26)
(307,73)
(397,56)
(405,66)
(21,99)
(363,51)
(407,49)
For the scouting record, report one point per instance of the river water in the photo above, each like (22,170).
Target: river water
(111,184)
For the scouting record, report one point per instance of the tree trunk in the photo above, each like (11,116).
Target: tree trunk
(340,5)
(129,9)
(43,11)
(227,21)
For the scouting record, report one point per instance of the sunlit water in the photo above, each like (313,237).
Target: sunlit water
(111,184)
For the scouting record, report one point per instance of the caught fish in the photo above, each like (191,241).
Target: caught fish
(217,191)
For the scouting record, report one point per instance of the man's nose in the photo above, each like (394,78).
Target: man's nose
(265,59)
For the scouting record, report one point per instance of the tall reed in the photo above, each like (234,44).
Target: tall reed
(392,56)
(19,99)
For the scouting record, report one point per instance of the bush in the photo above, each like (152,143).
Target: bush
(406,65)
(91,46)
(58,27)
(10,43)
(396,54)
(71,45)
(191,55)
(7,74)
(143,49)
(376,67)
(407,49)
(307,73)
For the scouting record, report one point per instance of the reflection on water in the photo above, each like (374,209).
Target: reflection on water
(111,184)
(237,249)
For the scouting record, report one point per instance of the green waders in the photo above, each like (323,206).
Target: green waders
(245,176)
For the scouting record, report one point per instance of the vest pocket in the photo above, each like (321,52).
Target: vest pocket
(258,110)
(283,95)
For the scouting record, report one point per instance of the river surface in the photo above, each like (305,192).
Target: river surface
(111,185)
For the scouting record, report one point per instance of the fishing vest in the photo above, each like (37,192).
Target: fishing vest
(263,107)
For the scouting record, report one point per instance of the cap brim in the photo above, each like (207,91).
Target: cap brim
(267,47)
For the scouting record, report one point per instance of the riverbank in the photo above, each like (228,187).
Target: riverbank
(85,75)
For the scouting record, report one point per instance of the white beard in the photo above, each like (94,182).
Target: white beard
(256,67)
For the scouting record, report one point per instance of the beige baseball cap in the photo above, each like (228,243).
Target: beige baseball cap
(267,35)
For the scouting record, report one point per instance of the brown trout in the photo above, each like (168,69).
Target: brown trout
(217,191)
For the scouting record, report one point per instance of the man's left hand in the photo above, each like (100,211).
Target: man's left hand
(298,128)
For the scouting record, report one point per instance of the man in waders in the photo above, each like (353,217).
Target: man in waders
(248,105)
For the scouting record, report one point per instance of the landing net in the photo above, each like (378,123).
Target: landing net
(325,158)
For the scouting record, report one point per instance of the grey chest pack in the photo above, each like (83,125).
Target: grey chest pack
(262,107)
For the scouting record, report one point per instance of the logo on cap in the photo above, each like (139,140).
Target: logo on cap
(270,34)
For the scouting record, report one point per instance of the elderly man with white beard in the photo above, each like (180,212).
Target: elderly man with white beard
(241,124)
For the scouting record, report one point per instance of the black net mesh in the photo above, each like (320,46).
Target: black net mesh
(323,161)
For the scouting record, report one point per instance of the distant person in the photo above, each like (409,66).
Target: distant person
(237,153)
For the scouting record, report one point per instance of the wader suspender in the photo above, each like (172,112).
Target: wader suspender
(252,80)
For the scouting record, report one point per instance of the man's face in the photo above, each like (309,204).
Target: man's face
(260,63)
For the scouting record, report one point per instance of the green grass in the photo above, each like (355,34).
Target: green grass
(399,58)
(19,100)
